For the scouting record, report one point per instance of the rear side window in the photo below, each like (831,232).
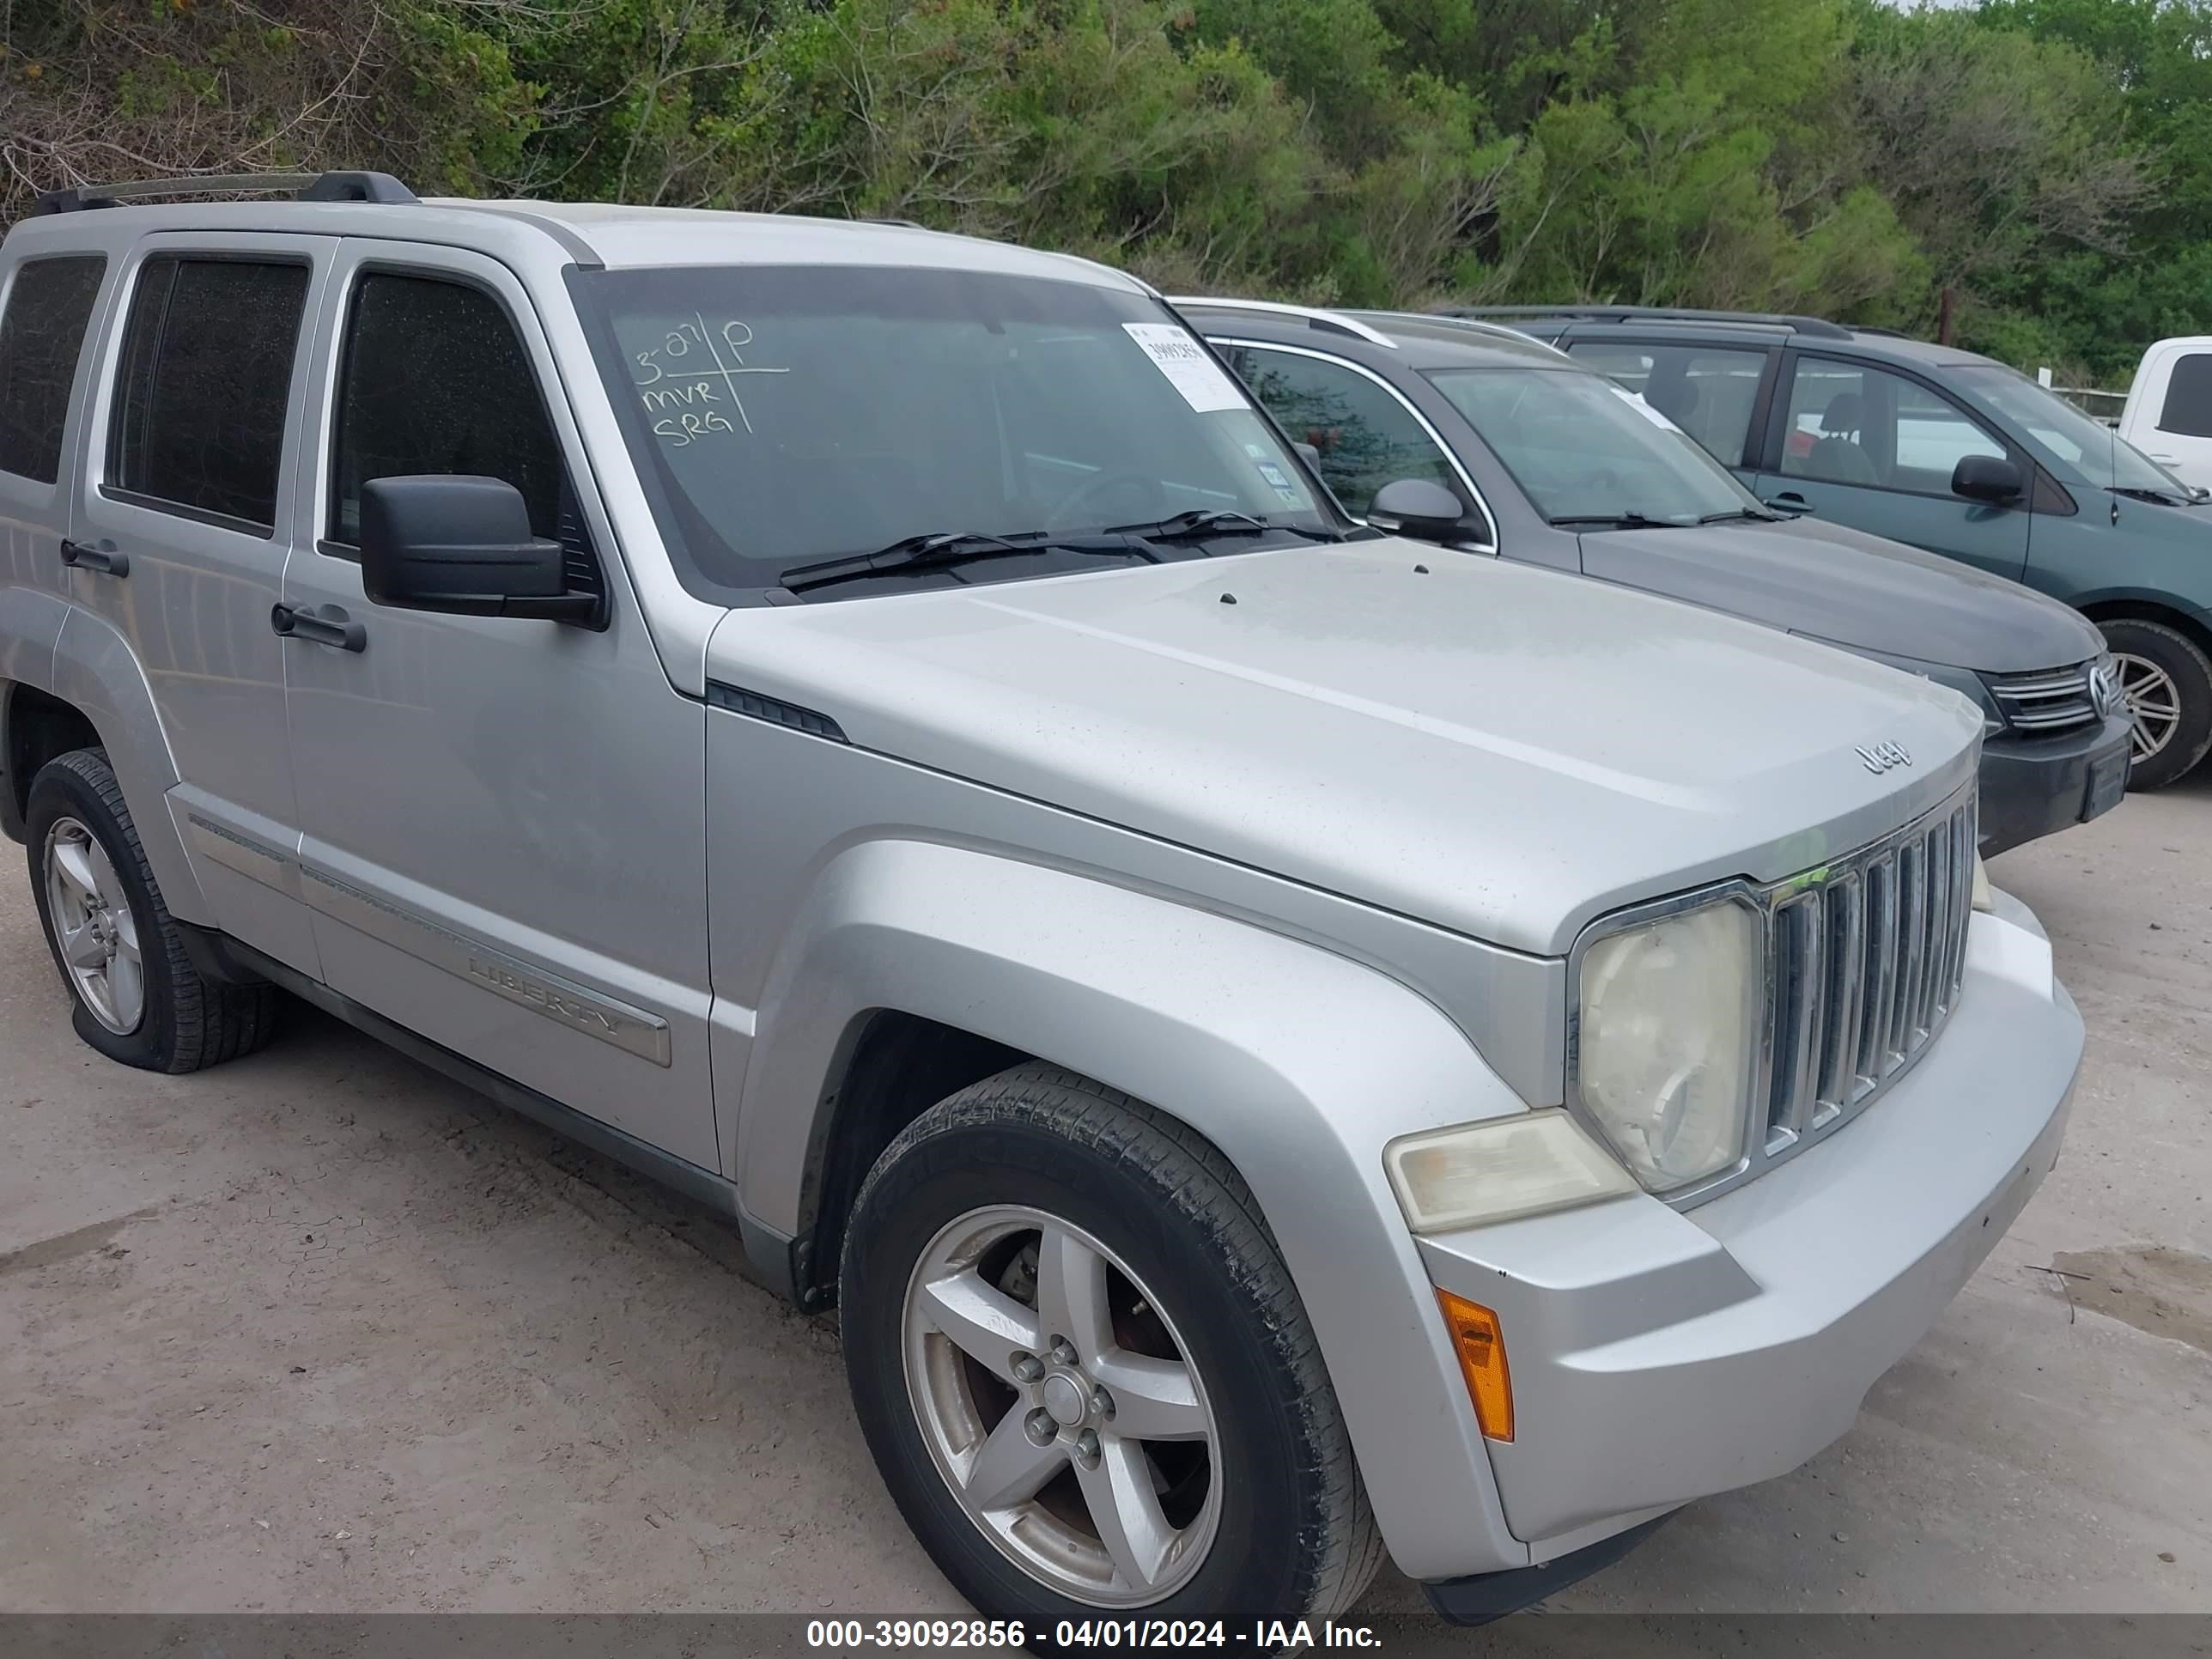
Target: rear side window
(2188,412)
(41,336)
(435,380)
(206,379)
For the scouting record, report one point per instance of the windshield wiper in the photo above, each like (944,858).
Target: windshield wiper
(2157,497)
(1752,515)
(945,547)
(1200,521)
(1619,522)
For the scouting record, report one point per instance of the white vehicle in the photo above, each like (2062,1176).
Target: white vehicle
(2169,410)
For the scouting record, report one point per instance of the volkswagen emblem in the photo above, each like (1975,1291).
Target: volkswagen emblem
(1881,757)
(2105,690)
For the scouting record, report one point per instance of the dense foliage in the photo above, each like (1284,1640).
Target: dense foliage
(2050,162)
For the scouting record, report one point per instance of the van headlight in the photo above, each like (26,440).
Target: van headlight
(1669,1014)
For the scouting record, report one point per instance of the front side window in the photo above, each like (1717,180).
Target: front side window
(1365,436)
(41,336)
(205,383)
(435,380)
(2188,412)
(2087,448)
(1853,424)
(1586,451)
(788,415)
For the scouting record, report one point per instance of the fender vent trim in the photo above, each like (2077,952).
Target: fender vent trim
(776,712)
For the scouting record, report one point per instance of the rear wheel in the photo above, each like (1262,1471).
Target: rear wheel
(1083,1369)
(2167,682)
(137,998)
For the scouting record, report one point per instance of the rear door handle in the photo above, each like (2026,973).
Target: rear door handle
(105,560)
(325,624)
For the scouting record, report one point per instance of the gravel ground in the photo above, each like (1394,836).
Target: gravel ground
(319,1331)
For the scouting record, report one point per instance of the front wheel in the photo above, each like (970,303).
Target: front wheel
(1083,1371)
(2167,682)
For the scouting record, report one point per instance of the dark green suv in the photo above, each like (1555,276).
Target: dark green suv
(1949,451)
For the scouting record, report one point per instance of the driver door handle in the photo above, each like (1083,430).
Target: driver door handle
(326,624)
(105,560)
(1790,501)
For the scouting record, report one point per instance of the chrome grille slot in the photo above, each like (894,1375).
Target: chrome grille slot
(2047,701)
(1867,957)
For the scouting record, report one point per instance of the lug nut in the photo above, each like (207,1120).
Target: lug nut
(1040,1426)
(1027,1368)
(1086,1448)
(1100,1401)
(1063,1352)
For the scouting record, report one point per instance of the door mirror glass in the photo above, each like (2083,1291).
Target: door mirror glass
(1987,478)
(452,543)
(1419,508)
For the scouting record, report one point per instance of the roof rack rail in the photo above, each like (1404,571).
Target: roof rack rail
(340,186)
(1469,324)
(1820,326)
(1328,322)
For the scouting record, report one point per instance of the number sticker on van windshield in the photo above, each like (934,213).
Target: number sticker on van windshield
(1203,384)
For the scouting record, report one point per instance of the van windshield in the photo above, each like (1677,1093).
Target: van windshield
(2092,451)
(784,415)
(1588,452)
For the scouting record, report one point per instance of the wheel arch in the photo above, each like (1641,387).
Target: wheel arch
(96,685)
(1296,1064)
(2142,608)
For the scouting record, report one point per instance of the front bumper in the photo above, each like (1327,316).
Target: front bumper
(2030,787)
(1659,1356)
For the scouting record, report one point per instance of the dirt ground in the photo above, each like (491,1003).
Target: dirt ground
(319,1331)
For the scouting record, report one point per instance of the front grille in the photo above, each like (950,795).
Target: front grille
(1867,954)
(2045,703)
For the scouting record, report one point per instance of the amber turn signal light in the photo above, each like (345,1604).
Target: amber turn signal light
(1482,1351)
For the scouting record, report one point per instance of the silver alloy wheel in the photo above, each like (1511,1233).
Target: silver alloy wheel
(2153,702)
(1058,1403)
(94,927)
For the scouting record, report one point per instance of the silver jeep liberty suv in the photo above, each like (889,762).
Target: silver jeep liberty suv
(1279,1045)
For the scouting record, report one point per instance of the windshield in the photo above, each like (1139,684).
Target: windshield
(788,415)
(2096,453)
(1584,448)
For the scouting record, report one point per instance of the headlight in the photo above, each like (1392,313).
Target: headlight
(1500,1169)
(1669,1016)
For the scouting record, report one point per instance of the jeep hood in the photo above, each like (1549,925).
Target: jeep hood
(1834,583)
(1499,750)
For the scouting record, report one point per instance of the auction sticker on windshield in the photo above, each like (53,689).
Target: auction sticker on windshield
(1205,386)
(1644,409)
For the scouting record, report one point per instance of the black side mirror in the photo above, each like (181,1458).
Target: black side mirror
(1421,509)
(463,545)
(1311,453)
(1990,478)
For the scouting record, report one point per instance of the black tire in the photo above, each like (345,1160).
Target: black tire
(188,1022)
(1295,1537)
(2185,663)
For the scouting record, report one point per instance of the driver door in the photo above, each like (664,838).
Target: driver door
(1873,449)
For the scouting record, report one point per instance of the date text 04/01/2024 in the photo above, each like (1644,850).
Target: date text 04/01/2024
(1267,1636)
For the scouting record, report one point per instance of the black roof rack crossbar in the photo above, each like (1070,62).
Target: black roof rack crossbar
(344,186)
(1598,313)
